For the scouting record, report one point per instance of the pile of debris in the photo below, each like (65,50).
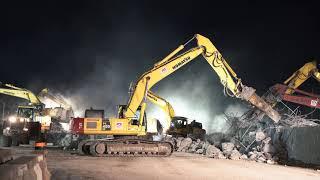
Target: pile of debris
(217,147)
(256,139)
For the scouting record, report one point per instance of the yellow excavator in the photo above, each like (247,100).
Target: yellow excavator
(177,126)
(304,73)
(129,128)
(164,105)
(284,91)
(33,119)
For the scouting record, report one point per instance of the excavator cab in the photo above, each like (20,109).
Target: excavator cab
(121,109)
(180,128)
(179,122)
(94,113)
(135,119)
(26,112)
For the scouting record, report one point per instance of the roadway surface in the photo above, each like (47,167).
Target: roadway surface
(63,165)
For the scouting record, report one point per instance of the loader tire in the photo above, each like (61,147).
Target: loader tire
(6,141)
(15,140)
(24,139)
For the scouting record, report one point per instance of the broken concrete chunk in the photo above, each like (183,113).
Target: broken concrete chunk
(227,148)
(268,155)
(260,136)
(252,155)
(261,160)
(195,145)
(270,161)
(267,140)
(185,144)
(178,140)
(214,152)
(221,156)
(235,155)
(244,157)
(199,151)
(260,154)
(205,145)
(6,155)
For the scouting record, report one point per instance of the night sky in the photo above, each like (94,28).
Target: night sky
(96,48)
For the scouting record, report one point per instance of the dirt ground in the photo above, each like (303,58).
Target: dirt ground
(64,165)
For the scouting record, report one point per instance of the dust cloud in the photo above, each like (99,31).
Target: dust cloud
(195,95)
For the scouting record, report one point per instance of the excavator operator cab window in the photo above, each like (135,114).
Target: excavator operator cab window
(121,110)
(26,112)
(180,123)
(135,120)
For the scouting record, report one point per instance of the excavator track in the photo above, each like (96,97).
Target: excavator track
(125,147)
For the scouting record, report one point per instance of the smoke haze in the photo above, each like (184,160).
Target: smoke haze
(104,88)
(194,94)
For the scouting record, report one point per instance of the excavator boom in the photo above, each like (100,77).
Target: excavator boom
(46,94)
(295,80)
(304,73)
(173,62)
(33,99)
(11,90)
(285,92)
(302,98)
(164,105)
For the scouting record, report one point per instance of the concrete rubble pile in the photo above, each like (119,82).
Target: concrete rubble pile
(224,150)
(261,141)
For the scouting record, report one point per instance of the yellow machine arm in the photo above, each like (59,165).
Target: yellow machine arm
(20,93)
(45,94)
(173,62)
(163,104)
(293,82)
(300,76)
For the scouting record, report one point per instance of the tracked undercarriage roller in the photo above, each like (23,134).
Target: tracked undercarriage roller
(125,147)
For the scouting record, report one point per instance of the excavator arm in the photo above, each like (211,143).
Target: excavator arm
(163,104)
(293,82)
(173,62)
(38,101)
(300,76)
(46,94)
(11,90)
(299,97)
(286,90)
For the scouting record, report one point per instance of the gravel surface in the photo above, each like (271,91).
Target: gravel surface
(65,165)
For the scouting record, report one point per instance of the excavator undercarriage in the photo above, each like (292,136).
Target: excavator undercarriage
(125,146)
